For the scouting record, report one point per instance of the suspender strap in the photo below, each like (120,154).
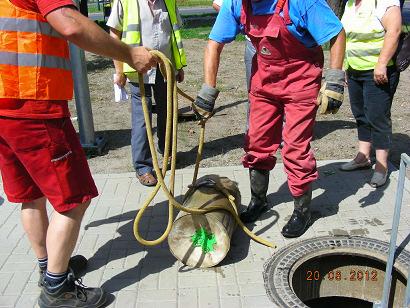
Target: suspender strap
(283,5)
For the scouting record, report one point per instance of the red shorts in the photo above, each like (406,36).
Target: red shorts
(44,158)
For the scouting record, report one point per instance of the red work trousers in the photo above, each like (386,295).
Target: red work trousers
(285,81)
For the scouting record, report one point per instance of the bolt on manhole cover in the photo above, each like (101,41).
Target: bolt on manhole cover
(334,272)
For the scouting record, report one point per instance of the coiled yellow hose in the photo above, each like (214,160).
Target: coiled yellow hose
(167,70)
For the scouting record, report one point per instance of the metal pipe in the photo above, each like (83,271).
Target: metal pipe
(405,160)
(82,97)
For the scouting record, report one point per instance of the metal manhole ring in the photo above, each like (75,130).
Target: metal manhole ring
(277,270)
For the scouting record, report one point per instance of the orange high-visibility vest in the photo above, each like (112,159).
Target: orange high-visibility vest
(34,58)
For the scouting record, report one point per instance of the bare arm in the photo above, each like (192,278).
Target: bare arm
(87,35)
(391,22)
(211,62)
(216,7)
(337,50)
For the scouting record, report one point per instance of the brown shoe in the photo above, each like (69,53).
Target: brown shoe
(147,179)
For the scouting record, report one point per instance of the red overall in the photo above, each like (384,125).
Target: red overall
(285,81)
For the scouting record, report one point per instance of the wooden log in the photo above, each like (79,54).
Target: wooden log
(204,240)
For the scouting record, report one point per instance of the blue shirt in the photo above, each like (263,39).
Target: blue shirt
(313,21)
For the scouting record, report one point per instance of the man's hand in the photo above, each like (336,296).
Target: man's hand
(141,59)
(203,106)
(120,79)
(332,92)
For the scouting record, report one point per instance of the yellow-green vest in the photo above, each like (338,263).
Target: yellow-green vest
(131,34)
(364,35)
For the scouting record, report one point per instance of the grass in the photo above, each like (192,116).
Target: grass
(202,33)
(182,3)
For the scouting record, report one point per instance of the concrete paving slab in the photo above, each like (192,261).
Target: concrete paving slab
(139,276)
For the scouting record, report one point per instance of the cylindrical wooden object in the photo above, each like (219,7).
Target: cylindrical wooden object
(204,240)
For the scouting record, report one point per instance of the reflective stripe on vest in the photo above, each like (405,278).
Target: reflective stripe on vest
(131,34)
(364,35)
(34,58)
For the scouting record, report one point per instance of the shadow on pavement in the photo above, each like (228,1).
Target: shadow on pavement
(158,257)
(327,202)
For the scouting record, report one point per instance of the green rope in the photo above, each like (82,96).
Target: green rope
(203,239)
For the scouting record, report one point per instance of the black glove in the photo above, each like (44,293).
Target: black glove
(332,92)
(203,106)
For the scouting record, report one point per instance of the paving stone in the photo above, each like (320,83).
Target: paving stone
(257,302)
(17,283)
(229,291)
(5,278)
(29,300)
(187,297)
(253,289)
(232,302)
(125,299)
(8,300)
(157,295)
(208,297)
(157,305)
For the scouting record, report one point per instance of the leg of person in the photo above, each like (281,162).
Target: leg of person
(54,164)
(160,97)
(357,104)
(298,159)
(141,154)
(35,223)
(378,101)
(261,143)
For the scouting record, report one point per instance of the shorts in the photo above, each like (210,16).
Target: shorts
(44,158)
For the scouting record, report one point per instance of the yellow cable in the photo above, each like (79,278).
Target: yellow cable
(168,72)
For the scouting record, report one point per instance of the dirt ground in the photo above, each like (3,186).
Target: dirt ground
(334,138)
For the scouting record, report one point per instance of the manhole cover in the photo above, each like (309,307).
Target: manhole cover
(334,272)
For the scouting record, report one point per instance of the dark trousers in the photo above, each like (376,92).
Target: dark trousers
(141,155)
(371,106)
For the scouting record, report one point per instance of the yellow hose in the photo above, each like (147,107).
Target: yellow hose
(168,72)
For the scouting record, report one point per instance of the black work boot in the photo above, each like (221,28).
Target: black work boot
(77,265)
(259,186)
(301,216)
(71,293)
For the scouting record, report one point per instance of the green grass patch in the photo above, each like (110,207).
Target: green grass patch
(202,33)
(194,3)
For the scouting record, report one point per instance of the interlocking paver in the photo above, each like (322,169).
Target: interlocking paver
(141,276)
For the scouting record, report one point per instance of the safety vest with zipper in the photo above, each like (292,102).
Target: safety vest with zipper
(364,35)
(131,34)
(34,58)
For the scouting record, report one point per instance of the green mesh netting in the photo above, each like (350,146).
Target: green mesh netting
(203,239)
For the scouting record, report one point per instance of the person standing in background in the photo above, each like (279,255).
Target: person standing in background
(153,24)
(247,57)
(372,32)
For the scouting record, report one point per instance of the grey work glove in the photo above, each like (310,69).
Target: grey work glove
(203,106)
(331,93)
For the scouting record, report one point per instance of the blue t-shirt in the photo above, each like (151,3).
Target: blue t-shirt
(313,21)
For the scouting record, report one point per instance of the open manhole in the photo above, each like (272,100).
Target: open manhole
(334,272)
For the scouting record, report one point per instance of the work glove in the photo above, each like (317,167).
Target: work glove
(203,106)
(332,92)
